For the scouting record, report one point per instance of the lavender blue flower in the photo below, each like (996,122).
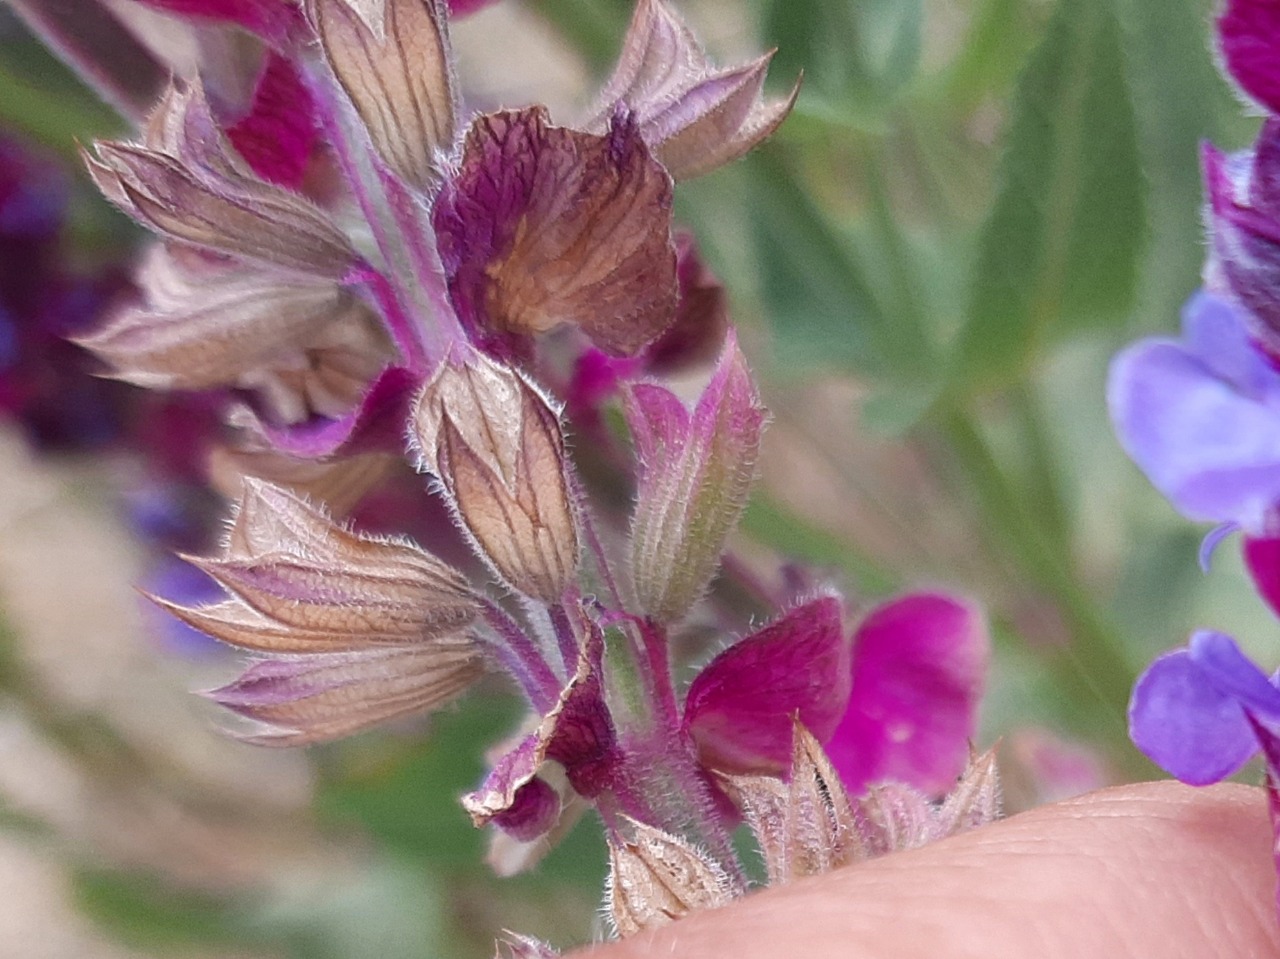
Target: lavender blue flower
(1200,416)
(1200,712)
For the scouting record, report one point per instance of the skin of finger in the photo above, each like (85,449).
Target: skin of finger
(1154,870)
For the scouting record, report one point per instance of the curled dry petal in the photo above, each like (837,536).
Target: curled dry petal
(494,442)
(919,665)
(188,185)
(360,630)
(392,58)
(694,116)
(577,733)
(695,475)
(204,324)
(741,707)
(544,225)
(656,878)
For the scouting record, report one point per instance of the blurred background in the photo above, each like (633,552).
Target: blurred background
(974,204)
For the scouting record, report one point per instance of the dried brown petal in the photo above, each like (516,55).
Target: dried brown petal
(656,878)
(545,225)
(392,57)
(495,443)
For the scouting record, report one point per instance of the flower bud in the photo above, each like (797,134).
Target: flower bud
(494,442)
(695,475)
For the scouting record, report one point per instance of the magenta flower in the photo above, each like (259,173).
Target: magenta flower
(895,702)
(1249,37)
(919,669)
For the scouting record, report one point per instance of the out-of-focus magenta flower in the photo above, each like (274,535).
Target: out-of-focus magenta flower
(1201,416)
(1249,37)
(919,669)
(1199,712)
(897,703)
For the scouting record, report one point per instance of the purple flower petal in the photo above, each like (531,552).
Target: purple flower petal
(1232,672)
(1249,35)
(919,664)
(1186,724)
(740,708)
(1210,444)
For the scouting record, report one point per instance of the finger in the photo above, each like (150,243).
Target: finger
(1154,870)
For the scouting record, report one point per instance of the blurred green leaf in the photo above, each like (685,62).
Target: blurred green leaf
(409,799)
(142,911)
(1061,246)
(819,305)
(1181,102)
(848,52)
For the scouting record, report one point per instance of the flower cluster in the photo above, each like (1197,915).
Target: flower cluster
(378,278)
(1201,416)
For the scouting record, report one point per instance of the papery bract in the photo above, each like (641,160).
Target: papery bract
(695,473)
(696,117)
(392,57)
(655,878)
(360,630)
(741,707)
(186,183)
(543,225)
(495,443)
(919,667)
(1199,416)
(203,324)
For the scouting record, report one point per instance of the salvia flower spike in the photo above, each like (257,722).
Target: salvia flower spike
(381,279)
